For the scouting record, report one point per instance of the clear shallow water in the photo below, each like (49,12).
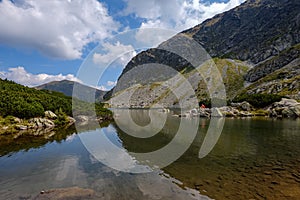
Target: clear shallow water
(252,159)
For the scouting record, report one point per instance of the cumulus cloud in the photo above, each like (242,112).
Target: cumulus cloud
(111,83)
(117,52)
(102,87)
(176,15)
(21,76)
(108,85)
(56,28)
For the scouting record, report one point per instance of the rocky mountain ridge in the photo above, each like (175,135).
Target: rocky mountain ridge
(262,33)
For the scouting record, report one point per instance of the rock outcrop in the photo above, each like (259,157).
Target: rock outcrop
(40,123)
(285,108)
(50,115)
(245,106)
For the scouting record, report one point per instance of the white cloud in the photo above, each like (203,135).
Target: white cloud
(21,76)
(102,87)
(118,52)
(111,83)
(108,85)
(153,33)
(176,15)
(56,28)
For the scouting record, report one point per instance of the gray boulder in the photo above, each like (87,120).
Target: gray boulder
(21,127)
(288,112)
(296,110)
(41,123)
(50,115)
(215,112)
(71,120)
(285,108)
(82,118)
(17,120)
(286,103)
(245,106)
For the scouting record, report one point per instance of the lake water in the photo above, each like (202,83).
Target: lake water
(255,158)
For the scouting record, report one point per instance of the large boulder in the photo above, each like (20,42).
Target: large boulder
(285,108)
(71,120)
(288,112)
(82,118)
(50,115)
(296,110)
(41,123)
(204,112)
(17,120)
(21,127)
(286,103)
(216,112)
(245,106)
(229,111)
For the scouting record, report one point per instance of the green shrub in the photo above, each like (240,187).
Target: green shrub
(25,102)
(258,100)
(61,119)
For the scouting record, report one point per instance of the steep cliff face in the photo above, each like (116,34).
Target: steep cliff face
(284,81)
(263,33)
(253,31)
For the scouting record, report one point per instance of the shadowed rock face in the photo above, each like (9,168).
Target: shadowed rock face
(253,31)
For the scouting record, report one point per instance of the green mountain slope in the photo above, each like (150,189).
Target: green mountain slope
(66,87)
(25,102)
(262,33)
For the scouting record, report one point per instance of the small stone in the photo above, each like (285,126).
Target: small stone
(50,115)
(21,127)
(268,173)
(278,168)
(275,183)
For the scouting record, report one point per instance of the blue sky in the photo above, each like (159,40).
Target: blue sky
(42,41)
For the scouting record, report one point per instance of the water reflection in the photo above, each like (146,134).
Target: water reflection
(26,140)
(67,164)
(251,159)
(212,136)
(179,133)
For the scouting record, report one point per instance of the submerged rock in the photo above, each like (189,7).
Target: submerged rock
(73,193)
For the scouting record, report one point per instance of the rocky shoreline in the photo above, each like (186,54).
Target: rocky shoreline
(38,124)
(286,108)
(45,125)
(71,193)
